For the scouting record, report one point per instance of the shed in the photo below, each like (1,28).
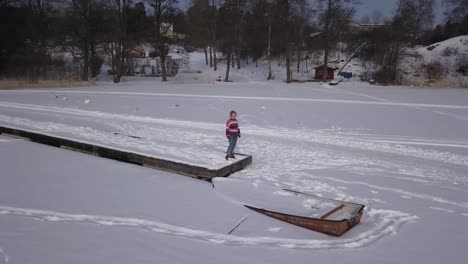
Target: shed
(319,72)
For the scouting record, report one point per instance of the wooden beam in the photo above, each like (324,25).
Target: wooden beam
(198,172)
(332,211)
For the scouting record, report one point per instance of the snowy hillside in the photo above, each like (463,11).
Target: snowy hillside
(403,152)
(440,64)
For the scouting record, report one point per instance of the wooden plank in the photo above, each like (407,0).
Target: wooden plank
(332,211)
(129,157)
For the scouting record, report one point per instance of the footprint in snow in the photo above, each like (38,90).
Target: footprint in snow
(442,209)
(274,229)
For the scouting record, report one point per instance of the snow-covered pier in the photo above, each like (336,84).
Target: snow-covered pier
(159,163)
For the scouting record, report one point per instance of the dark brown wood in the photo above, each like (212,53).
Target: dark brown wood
(129,157)
(329,227)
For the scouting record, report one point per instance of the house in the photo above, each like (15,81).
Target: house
(135,53)
(319,73)
(167,30)
(357,28)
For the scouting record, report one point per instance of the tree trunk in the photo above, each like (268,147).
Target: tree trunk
(114,62)
(94,66)
(206,55)
(288,65)
(215,62)
(163,68)
(269,49)
(327,40)
(232,59)
(117,61)
(228,64)
(44,68)
(85,69)
(238,59)
(44,60)
(395,58)
(325,66)
(298,69)
(211,56)
(119,70)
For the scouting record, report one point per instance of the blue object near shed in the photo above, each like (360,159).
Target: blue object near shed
(346,75)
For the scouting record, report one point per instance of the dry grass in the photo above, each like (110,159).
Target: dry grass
(10,84)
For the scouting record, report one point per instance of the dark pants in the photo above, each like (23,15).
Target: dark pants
(232,145)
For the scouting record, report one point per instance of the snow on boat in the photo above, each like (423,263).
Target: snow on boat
(333,222)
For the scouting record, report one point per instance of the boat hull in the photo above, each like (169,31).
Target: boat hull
(329,227)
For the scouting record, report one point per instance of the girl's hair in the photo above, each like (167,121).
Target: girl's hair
(232,112)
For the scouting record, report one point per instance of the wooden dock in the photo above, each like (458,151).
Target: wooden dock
(129,157)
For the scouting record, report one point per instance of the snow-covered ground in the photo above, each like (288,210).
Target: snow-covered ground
(437,65)
(401,151)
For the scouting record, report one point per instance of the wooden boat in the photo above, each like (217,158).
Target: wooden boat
(334,222)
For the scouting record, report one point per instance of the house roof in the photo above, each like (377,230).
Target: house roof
(139,51)
(321,67)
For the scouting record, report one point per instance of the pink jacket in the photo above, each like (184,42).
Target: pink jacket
(232,128)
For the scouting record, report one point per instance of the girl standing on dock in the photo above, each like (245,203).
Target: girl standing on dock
(232,133)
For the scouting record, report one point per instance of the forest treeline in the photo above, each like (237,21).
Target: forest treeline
(92,32)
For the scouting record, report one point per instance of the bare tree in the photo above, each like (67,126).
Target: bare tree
(80,32)
(282,38)
(412,17)
(335,16)
(230,16)
(163,36)
(300,19)
(212,30)
(198,23)
(117,39)
(458,9)
(257,29)
(39,23)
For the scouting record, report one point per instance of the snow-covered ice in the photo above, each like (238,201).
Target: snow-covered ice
(403,152)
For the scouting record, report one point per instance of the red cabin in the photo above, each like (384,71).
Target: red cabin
(319,72)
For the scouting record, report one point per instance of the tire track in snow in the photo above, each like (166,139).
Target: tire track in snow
(210,146)
(172,134)
(4,256)
(348,141)
(415,106)
(386,222)
(172,143)
(402,192)
(279,99)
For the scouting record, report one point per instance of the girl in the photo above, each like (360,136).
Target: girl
(232,133)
